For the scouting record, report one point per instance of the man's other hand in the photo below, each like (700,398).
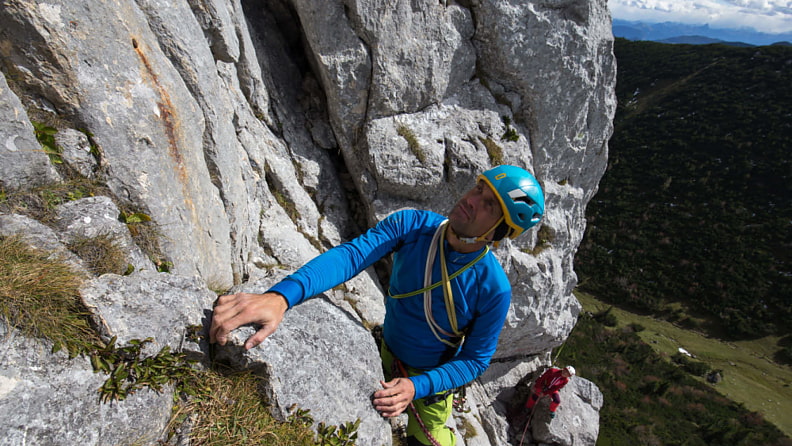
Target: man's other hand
(394,397)
(234,310)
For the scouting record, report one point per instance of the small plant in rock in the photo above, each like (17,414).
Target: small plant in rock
(131,371)
(344,435)
(300,416)
(101,254)
(494,151)
(510,134)
(412,142)
(46,137)
(133,217)
(146,236)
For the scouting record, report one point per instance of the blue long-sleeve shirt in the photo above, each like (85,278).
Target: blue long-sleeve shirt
(481,296)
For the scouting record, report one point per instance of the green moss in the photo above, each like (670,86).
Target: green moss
(412,143)
(494,151)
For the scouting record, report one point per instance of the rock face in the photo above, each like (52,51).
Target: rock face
(50,399)
(255,135)
(317,346)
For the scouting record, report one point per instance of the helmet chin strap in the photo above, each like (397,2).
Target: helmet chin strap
(482,237)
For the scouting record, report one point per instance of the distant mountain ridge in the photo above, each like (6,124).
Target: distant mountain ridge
(671,32)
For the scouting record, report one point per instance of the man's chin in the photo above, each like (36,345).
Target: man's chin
(457,232)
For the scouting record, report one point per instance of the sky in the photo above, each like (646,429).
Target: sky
(767,16)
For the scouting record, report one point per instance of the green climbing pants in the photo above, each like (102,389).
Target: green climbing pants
(432,414)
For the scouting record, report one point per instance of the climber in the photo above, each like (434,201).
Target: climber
(549,384)
(426,350)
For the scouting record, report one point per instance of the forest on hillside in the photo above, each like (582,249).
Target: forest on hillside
(693,218)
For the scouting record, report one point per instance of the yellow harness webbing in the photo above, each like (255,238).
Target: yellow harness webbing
(439,239)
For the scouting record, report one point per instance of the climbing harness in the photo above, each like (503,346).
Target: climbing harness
(397,368)
(460,399)
(445,281)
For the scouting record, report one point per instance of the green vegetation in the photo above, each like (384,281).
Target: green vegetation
(690,234)
(412,143)
(46,137)
(226,409)
(39,295)
(692,219)
(750,376)
(39,203)
(510,134)
(649,399)
(494,151)
(146,235)
(129,370)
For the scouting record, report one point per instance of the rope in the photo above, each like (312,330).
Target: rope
(554,362)
(398,369)
(440,282)
(439,240)
(528,422)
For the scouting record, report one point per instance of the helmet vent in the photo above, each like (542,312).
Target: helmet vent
(525,199)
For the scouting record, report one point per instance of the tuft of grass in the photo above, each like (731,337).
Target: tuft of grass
(227,410)
(287,205)
(494,151)
(101,254)
(39,203)
(39,295)
(412,142)
(545,238)
(146,235)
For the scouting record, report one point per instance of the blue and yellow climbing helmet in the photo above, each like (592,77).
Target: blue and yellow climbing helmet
(520,195)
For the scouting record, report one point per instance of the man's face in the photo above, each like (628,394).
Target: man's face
(476,212)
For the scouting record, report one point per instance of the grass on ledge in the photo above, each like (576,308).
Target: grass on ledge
(39,295)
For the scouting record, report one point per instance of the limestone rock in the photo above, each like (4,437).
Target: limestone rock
(88,218)
(76,152)
(259,134)
(577,418)
(102,64)
(23,163)
(147,304)
(47,398)
(40,237)
(320,359)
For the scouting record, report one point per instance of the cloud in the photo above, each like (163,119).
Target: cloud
(769,16)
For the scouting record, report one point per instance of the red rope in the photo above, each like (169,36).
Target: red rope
(402,372)
(528,422)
